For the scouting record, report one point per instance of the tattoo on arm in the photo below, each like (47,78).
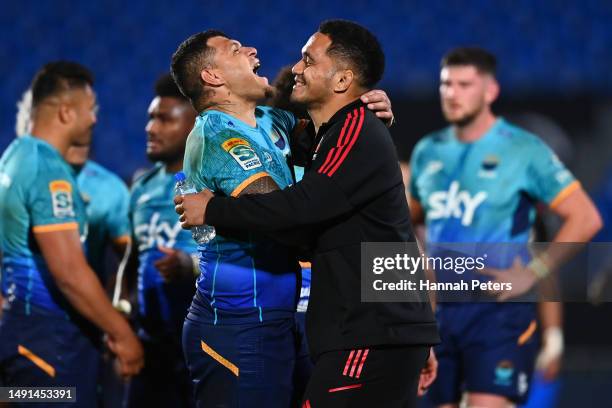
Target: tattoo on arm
(260,186)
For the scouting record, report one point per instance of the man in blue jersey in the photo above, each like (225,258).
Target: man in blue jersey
(239,336)
(161,255)
(105,196)
(478,181)
(48,334)
(106,199)
(106,204)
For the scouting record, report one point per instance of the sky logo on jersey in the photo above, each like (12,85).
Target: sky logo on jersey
(242,152)
(61,198)
(157,233)
(455,203)
(434,166)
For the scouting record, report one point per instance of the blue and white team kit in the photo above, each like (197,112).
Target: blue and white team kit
(239,337)
(106,199)
(162,305)
(43,341)
(485,192)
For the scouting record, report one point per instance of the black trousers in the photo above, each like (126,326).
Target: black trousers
(375,377)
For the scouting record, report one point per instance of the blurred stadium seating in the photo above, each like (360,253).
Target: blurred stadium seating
(546,47)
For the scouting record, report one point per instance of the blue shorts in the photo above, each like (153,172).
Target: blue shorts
(303,362)
(44,349)
(486,348)
(246,364)
(164,380)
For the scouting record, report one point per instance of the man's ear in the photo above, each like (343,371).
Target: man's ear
(343,80)
(492,90)
(65,113)
(212,77)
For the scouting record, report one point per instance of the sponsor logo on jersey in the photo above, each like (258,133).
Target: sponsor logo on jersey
(61,198)
(434,166)
(488,167)
(455,203)
(242,152)
(157,233)
(503,373)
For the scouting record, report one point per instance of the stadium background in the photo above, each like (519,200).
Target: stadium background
(555,69)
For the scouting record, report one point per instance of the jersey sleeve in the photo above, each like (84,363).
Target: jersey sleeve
(118,221)
(228,163)
(548,180)
(51,200)
(415,170)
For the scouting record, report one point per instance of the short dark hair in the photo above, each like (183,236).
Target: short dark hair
(59,76)
(166,87)
(358,47)
(188,60)
(480,58)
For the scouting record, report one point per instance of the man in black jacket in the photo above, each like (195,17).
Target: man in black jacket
(366,354)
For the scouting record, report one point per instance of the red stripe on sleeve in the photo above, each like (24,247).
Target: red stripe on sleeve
(363,359)
(342,142)
(355,363)
(348,362)
(350,145)
(333,149)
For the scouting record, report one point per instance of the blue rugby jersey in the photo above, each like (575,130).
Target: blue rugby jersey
(106,199)
(485,191)
(38,193)
(252,276)
(162,305)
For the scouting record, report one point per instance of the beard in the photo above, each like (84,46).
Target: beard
(165,156)
(465,119)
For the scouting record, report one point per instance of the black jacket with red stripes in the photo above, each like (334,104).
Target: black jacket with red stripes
(351,192)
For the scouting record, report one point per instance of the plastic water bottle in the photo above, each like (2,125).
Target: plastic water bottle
(202,234)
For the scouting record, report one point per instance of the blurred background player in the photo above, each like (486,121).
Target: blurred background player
(105,196)
(46,335)
(161,255)
(106,199)
(456,189)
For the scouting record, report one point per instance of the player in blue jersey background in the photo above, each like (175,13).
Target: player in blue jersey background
(48,334)
(161,255)
(478,181)
(106,199)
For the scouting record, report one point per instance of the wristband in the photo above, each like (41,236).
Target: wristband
(539,268)
(552,339)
